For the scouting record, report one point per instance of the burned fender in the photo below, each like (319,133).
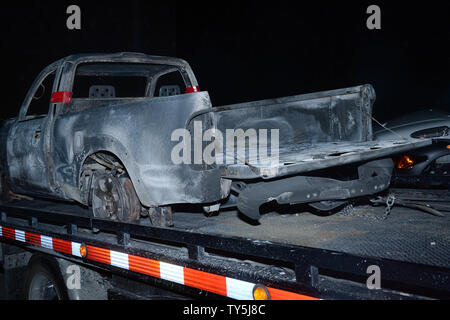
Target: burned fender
(373,177)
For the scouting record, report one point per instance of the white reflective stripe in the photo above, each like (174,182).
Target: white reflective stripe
(20,235)
(1,231)
(76,249)
(119,259)
(46,242)
(171,272)
(239,290)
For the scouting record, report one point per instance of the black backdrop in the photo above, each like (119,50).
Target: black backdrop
(247,50)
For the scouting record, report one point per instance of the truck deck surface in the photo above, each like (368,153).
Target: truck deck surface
(406,235)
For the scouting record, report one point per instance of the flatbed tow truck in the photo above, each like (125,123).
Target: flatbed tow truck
(62,252)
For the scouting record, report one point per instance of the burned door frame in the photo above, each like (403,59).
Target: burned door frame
(36,173)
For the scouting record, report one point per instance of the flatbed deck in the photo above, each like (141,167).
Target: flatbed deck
(291,249)
(406,235)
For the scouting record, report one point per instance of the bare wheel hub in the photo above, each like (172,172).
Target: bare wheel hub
(114,198)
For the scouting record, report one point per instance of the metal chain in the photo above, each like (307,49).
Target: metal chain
(390,201)
(349,210)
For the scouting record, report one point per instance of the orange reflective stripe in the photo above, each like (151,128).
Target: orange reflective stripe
(32,238)
(62,246)
(276,294)
(8,233)
(205,281)
(144,266)
(98,254)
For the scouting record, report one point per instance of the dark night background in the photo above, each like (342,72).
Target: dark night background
(247,50)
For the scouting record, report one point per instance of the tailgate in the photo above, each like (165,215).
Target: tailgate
(305,158)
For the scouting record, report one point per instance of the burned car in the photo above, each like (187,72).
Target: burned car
(427,167)
(130,134)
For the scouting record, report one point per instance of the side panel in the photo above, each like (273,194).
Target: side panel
(329,116)
(27,142)
(138,132)
(25,151)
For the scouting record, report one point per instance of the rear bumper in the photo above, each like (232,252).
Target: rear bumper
(374,177)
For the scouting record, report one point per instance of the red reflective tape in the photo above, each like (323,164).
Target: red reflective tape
(61,97)
(192,89)
(8,233)
(98,254)
(205,281)
(62,246)
(144,266)
(31,238)
(276,294)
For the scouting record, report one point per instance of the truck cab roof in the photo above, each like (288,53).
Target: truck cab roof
(132,57)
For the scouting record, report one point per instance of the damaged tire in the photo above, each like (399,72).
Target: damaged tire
(114,198)
(44,282)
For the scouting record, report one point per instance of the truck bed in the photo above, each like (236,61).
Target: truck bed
(315,131)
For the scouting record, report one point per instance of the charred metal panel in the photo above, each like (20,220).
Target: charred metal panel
(310,157)
(138,132)
(338,115)
(303,121)
(29,165)
(316,131)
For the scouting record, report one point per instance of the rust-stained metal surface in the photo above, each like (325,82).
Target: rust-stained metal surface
(46,156)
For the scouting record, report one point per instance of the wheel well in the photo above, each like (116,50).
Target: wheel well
(97,161)
(43,259)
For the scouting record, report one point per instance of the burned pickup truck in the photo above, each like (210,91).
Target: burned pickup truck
(132,135)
